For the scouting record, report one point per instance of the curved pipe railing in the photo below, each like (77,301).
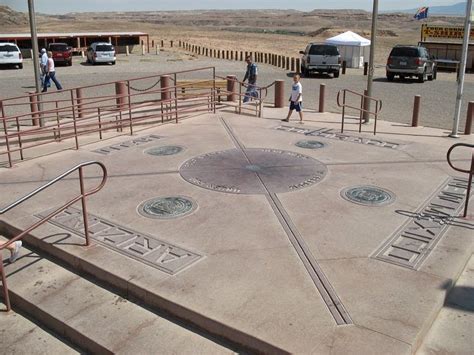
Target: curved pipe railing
(362,109)
(470,172)
(81,197)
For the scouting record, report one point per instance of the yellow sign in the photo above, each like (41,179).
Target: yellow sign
(449,32)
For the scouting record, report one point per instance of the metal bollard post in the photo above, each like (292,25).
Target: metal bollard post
(34,109)
(165,83)
(344,66)
(171,44)
(287,63)
(121,92)
(79,102)
(279,93)
(469,118)
(298,66)
(366,68)
(322,97)
(162,43)
(292,65)
(416,111)
(365,106)
(231,88)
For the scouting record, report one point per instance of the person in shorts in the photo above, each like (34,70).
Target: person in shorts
(296,99)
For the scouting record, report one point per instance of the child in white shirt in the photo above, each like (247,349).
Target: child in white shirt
(296,99)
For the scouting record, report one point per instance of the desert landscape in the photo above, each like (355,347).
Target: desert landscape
(278,31)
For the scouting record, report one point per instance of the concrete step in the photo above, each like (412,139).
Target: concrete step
(91,317)
(19,335)
(452,330)
(114,274)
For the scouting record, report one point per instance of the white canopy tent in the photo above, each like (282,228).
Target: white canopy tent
(354,49)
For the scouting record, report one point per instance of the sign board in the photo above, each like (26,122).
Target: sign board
(448,32)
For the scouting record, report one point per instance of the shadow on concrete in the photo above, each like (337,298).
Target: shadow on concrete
(66,236)
(87,64)
(455,221)
(459,297)
(397,81)
(9,67)
(312,76)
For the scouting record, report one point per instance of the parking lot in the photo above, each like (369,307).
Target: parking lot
(437,105)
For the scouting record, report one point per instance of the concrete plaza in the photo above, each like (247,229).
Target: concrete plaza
(270,253)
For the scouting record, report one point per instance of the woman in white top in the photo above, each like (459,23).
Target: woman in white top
(296,99)
(51,74)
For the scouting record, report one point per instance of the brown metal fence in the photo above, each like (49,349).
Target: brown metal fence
(38,124)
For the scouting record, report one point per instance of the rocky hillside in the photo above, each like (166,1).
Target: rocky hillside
(9,17)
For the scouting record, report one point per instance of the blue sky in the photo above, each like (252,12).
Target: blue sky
(64,6)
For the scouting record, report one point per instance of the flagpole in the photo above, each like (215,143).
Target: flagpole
(465,48)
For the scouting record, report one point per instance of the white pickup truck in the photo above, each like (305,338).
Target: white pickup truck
(320,58)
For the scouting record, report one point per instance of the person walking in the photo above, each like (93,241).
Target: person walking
(250,75)
(14,250)
(43,66)
(51,74)
(296,99)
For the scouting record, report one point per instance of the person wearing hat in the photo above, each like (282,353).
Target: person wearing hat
(44,66)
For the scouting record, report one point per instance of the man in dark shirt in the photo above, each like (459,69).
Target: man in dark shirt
(251,76)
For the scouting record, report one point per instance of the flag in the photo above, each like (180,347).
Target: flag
(421,13)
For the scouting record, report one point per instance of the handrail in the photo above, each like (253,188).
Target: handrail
(470,172)
(362,109)
(260,89)
(82,197)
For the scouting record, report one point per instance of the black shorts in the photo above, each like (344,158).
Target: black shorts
(298,106)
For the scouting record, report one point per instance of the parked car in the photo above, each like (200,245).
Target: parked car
(101,52)
(411,61)
(62,53)
(320,58)
(10,54)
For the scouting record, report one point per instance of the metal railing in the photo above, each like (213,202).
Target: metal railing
(465,171)
(32,121)
(82,196)
(362,109)
(235,98)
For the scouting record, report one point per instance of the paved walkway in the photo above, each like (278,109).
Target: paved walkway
(269,251)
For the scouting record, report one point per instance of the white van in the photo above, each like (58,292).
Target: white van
(10,55)
(320,58)
(101,52)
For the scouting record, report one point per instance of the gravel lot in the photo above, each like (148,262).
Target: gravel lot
(438,97)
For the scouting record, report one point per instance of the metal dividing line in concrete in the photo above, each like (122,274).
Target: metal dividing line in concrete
(327,292)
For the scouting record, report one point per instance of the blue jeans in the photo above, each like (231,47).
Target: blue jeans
(51,76)
(251,92)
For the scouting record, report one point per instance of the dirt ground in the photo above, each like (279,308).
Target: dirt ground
(279,31)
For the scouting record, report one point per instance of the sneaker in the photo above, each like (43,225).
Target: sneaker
(285,120)
(16,251)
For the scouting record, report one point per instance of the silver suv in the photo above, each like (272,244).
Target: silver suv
(101,52)
(320,58)
(411,61)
